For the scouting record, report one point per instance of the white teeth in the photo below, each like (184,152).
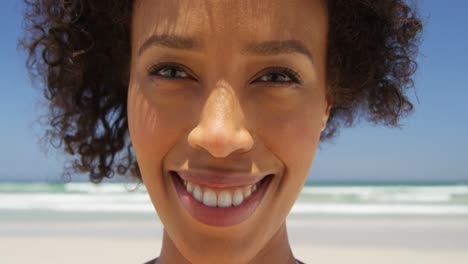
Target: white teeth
(197,193)
(209,198)
(224,198)
(247,191)
(238,197)
(189,187)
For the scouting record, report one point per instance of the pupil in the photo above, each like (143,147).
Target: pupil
(276,77)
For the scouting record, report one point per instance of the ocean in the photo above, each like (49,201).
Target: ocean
(324,199)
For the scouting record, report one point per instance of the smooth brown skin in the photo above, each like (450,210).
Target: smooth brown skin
(226,118)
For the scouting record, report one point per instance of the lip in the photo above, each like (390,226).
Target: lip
(215,179)
(217,216)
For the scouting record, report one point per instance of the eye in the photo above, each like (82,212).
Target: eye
(169,71)
(280,75)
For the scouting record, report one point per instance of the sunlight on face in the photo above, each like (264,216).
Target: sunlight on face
(236,87)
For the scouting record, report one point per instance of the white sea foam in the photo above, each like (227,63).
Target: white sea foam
(389,194)
(104,188)
(379,209)
(314,200)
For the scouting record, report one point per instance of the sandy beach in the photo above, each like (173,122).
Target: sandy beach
(315,239)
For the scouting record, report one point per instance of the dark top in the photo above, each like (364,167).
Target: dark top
(153,261)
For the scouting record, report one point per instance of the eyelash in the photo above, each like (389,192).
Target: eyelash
(153,71)
(289,73)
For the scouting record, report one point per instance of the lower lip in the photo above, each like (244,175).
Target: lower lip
(220,216)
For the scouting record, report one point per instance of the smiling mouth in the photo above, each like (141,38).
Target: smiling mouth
(220,206)
(220,197)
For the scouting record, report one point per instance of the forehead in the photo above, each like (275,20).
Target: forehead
(230,22)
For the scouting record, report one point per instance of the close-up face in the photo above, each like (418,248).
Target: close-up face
(226,103)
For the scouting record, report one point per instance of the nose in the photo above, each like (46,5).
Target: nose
(221,129)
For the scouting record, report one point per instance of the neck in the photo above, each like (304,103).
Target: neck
(277,250)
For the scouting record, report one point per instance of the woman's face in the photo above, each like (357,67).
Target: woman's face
(223,93)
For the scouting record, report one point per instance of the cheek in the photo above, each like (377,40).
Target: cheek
(142,118)
(293,135)
(150,136)
(301,139)
(304,132)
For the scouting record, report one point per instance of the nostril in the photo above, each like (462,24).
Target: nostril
(220,142)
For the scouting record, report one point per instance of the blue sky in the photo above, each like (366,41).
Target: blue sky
(432,146)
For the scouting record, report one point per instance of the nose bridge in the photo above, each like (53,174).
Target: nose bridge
(222,109)
(221,129)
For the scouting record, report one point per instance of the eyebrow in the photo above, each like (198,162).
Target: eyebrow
(274,47)
(170,41)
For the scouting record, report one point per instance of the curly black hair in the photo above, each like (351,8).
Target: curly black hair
(80,51)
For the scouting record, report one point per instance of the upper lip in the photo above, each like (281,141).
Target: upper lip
(219,179)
